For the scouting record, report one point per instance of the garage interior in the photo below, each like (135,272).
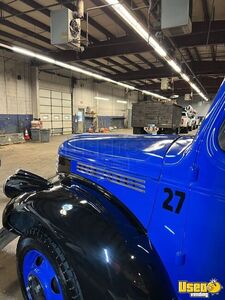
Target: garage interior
(88,81)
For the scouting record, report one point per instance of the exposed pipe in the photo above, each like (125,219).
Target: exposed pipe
(80,9)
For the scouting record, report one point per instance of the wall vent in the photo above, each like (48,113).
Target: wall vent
(117,178)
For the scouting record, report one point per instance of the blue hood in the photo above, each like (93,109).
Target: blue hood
(141,155)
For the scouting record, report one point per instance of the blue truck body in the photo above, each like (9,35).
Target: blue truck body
(152,175)
(172,186)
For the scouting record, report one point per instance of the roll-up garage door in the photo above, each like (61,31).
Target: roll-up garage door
(56,111)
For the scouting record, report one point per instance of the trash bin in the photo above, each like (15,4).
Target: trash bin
(35,134)
(44,135)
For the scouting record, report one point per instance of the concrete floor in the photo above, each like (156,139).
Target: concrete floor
(38,158)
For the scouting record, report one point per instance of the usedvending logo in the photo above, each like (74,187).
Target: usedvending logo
(200,289)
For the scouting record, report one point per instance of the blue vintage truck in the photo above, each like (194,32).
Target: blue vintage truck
(127,217)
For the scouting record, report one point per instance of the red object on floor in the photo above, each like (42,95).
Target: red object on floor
(26,135)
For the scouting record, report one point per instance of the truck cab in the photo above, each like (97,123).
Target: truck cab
(171,187)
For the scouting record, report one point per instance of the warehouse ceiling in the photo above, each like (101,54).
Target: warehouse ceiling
(113,49)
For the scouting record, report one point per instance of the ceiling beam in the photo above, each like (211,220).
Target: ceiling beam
(213,52)
(199,68)
(24,30)
(127,45)
(179,91)
(197,54)
(22,40)
(107,10)
(93,69)
(144,60)
(199,39)
(189,54)
(114,62)
(120,46)
(130,62)
(208,82)
(98,63)
(14,12)
(37,6)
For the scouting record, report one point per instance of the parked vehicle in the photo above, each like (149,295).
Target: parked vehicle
(192,123)
(185,122)
(163,115)
(126,217)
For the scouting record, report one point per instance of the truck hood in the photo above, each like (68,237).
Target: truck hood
(140,155)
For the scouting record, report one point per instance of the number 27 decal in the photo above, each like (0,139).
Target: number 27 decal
(167,203)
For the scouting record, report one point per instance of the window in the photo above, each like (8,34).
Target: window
(222,137)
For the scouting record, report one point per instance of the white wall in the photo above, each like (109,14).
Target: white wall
(88,92)
(20,98)
(15,94)
(54,82)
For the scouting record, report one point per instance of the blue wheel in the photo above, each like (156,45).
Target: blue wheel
(40,279)
(43,270)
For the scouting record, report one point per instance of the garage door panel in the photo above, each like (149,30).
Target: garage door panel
(56,117)
(45,109)
(67,124)
(66,103)
(45,101)
(44,93)
(57,124)
(46,125)
(67,130)
(46,117)
(56,95)
(66,96)
(56,102)
(56,109)
(67,117)
(67,110)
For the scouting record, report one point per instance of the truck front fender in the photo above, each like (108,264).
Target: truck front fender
(106,245)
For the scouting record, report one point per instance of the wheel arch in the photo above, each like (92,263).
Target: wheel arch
(108,248)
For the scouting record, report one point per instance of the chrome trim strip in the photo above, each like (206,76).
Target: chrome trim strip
(128,181)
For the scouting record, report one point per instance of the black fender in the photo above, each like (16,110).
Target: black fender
(106,245)
(24,182)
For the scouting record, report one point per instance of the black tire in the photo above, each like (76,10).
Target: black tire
(139,130)
(37,239)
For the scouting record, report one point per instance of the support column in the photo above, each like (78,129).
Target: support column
(35,91)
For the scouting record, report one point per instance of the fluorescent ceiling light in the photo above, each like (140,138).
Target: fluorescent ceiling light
(185,77)
(101,98)
(73,68)
(133,22)
(121,101)
(194,86)
(154,95)
(174,96)
(157,47)
(61,64)
(68,66)
(174,65)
